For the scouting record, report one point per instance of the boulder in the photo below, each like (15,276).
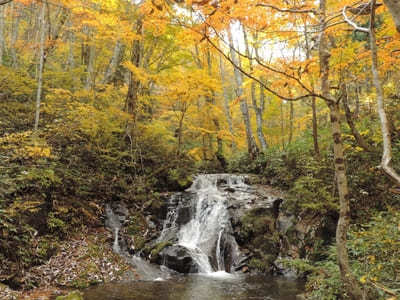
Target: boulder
(177,258)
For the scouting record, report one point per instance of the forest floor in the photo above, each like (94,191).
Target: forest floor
(84,260)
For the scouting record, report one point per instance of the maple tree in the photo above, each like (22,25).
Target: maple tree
(206,81)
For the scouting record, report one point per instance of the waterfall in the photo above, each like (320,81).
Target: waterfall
(116,247)
(208,233)
(114,223)
(146,271)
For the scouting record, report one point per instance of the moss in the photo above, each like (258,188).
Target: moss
(71,296)
(263,264)
(139,242)
(159,247)
(136,225)
(257,222)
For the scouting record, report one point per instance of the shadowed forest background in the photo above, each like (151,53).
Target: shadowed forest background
(118,100)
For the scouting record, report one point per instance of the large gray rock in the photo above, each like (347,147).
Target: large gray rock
(178,258)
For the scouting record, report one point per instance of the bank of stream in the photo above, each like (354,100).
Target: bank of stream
(205,248)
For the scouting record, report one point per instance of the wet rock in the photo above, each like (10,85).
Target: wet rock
(184,215)
(230,190)
(178,258)
(157,207)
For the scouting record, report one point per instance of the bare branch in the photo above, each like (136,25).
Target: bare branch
(2,2)
(288,10)
(351,23)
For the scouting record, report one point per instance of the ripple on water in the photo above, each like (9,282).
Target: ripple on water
(215,286)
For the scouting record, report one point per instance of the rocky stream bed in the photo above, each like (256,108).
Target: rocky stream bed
(224,223)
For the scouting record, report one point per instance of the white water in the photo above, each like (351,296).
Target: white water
(116,247)
(204,234)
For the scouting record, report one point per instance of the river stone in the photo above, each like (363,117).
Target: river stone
(178,258)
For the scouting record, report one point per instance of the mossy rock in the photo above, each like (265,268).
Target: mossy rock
(264,264)
(139,242)
(266,244)
(76,295)
(258,222)
(157,249)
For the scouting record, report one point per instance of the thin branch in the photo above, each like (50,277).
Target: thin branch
(264,65)
(3,2)
(258,80)
(351,23)
(288,10)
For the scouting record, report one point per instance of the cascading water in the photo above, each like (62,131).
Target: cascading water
(114,223)
(207,235)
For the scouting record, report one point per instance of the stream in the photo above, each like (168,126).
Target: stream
(198,287)
(202,259)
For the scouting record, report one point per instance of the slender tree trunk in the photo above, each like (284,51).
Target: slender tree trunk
(134,83)
(90,76)
(349,117)
(2,37)
(357,110)
(350,283)
(180,132)
(291,121)
(114,62)
(282,126)
(313,100)
(257,109)
(315,127)
(41,64)
(251,144)
(14,34)
(260,122)
(71,41)
(220,151)
(387,143)
(226,101)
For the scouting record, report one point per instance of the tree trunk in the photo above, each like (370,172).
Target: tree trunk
(387,143)
(357,110)
(315,127)
(41,64)
(91,67)
(394,9)
(134,83)
(349,117)
(114,62)
(256,107)
(220,151)
(226,101)
(313,100)
(180,132)
(282,126)
(71,41)
(350,283)
(14,34)
(251,144)
(260,120)
(291,120)
(2,38)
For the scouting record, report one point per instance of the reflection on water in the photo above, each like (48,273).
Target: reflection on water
(197,287)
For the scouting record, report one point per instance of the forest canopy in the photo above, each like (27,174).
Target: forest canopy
(123,99)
